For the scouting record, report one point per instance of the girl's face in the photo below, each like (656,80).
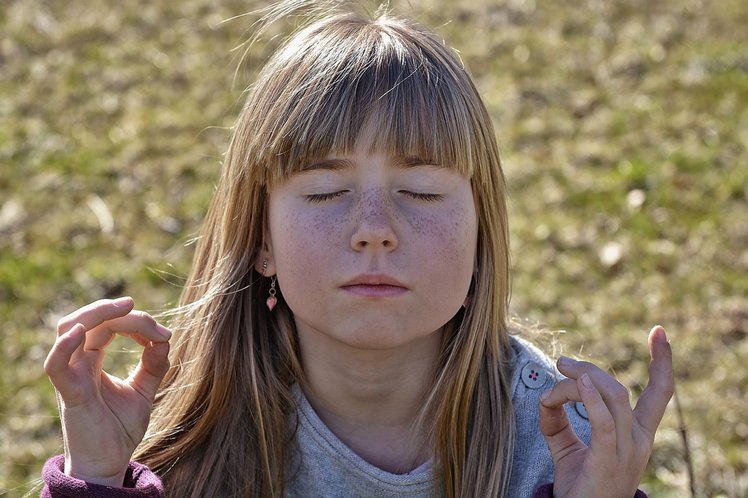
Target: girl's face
(373,251)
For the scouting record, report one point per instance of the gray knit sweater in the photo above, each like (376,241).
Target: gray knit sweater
(328,468)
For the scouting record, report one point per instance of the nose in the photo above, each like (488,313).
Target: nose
(374,223)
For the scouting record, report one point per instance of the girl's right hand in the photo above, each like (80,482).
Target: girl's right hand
(104,418)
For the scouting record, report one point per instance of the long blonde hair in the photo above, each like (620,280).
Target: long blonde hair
(221,425)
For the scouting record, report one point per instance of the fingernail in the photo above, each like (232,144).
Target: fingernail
(546,394)
(565,360)
(587,382)
(165,333)
(76,329)
(660,334)
(122,301)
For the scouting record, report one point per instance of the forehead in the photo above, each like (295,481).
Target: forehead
(370,141)
(340,87)
(375,141)
(335,162)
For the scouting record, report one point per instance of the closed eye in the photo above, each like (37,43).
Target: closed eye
(423,196)
(324,197)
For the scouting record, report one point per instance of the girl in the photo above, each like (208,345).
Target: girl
(344,328)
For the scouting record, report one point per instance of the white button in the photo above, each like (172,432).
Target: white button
(533,375)
(581,410)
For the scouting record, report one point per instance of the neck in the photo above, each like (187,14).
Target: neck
(370,399)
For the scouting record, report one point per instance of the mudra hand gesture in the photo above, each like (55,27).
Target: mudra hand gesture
(104,418)
(622,438)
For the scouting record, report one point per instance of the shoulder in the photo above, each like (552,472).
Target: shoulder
(533,372)
(526,352)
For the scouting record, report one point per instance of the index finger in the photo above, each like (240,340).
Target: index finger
(96,313)
(139,325)
(652,403)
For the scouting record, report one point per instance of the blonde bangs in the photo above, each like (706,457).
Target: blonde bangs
(328,84)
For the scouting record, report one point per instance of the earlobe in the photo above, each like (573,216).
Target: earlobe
(264,266)
(264,262)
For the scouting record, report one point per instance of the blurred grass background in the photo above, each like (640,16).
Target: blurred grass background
(623,126)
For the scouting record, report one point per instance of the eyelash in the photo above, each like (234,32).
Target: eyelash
(317,198)
(324,197)
(423,197)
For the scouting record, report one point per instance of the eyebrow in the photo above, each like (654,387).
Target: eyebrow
(410,161)
(326,164)
(339,164)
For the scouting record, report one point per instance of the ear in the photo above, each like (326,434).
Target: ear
(265,263)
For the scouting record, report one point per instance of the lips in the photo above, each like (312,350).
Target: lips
(375,285)
(374,279)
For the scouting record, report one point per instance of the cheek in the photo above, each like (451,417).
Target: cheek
(449,242)
(302,242)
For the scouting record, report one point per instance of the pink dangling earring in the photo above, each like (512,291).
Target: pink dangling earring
(272,300)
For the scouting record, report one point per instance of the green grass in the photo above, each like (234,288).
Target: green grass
(623,129)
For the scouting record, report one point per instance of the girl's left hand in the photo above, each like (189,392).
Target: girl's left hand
(622,438)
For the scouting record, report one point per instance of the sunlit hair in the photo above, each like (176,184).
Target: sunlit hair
(223,424)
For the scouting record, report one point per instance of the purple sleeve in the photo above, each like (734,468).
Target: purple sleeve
(546,491)
(140,482)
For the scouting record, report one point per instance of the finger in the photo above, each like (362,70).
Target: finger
(95,313)
(564,391)
(604,437)
(139,325)
(614,394)
(151,370)
(554,424)
(58,360)
(655,397)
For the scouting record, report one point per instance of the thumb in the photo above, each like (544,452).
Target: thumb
(154,363)
(57,364)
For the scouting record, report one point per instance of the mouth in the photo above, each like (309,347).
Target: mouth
(375,285)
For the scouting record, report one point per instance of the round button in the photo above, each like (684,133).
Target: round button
(581,410)
(533,375)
